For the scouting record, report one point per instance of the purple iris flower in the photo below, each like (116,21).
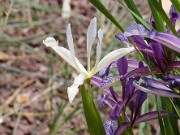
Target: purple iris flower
(131,98)
(137,33)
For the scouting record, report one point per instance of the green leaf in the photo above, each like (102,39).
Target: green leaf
(157,18)
(162,127)
(162,13)
(131,5)
(93,118)
(141,20)
(102,8)
(176,4)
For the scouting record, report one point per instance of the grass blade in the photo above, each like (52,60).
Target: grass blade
(141,20)
(102,8)
(131,5)
(176,4)
(157,18)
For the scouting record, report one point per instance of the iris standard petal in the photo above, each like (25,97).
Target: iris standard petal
(91,35)
(100,36)
(70,43)
(113,56)
(73,90)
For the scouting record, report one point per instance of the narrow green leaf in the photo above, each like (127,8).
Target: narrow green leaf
(157,18)
(131,5)
(172,120)
(93,119)
(176,4)
(102,8)
(161,11)
(162,127)
(141,20)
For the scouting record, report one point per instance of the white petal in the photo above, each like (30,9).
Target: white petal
(113,56)
(71,44)
(79,80)
(73,90)
(98,57)
(91,35)
(64,53)
(100,36)
(50,41)
(66,9)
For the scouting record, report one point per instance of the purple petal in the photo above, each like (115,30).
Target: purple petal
(139,41)
(159,54)
(108,81)
(97,81)
(110,127)
(171,77)
(174,15)
(122,66)
(115,112)
(136,29)
(149,116)
(114,95)
(122,38)
(152,22)
(105,100)
(166,39)
(121,128)
(148,55)
(140,98)
(143,71)
(129,90)
(155,91)
(174,65)
(156,83)
(134,63)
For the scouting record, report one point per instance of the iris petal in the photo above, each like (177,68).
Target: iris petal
(73,90)
(91,35)
(113,56)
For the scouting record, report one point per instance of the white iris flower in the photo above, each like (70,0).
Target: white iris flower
(70,58)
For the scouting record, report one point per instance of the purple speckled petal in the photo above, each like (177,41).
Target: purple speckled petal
(108,81)
(150,116)
(155,91)
(166,39)
(97,82)
(136,29)
(122,66)
(121,128)
(110,127)
(122,38)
